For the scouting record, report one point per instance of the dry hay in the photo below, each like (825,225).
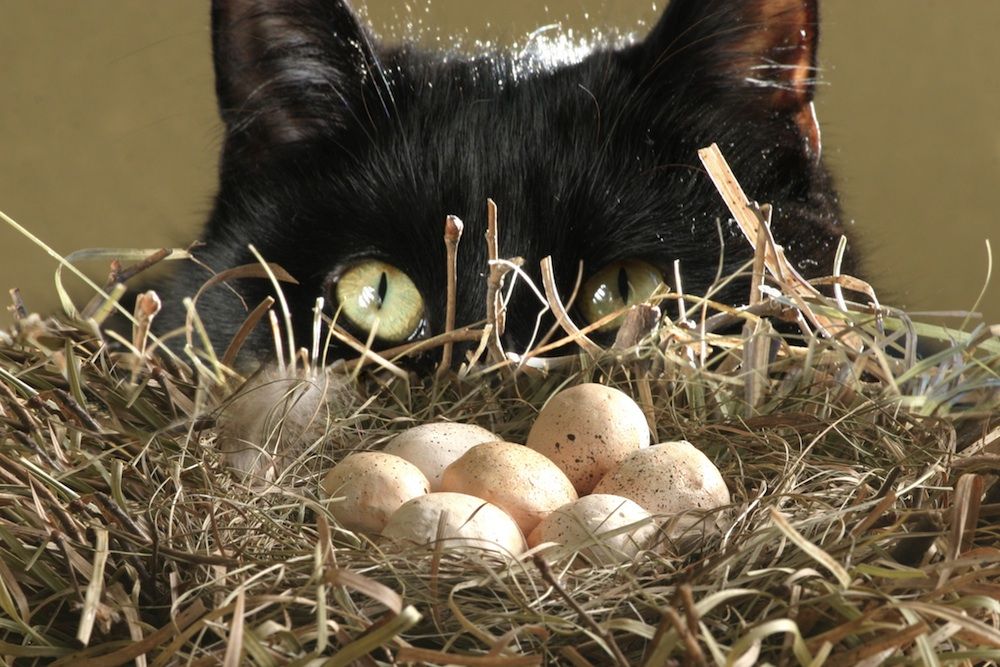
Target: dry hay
(864,523)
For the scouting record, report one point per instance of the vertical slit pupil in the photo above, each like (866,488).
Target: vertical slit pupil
(383,288)
(623,283)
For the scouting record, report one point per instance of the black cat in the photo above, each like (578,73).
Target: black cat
(343,156)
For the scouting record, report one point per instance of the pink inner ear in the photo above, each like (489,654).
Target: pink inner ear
(783,49)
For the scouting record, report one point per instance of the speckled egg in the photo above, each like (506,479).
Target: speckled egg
(433,447)
(366,488)
(669,478)
(519,480)
(587,430)
(587,525)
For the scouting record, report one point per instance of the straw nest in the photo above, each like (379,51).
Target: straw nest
(864,525)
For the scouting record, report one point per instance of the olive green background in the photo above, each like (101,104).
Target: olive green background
(108,132)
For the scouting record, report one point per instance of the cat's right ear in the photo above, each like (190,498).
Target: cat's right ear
(287,70)
(762,51)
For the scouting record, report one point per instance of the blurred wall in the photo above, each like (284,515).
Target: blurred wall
(108,133)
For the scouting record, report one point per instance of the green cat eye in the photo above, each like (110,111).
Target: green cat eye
(617,286)
(375,294)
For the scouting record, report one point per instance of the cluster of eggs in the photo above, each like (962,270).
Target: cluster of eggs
(587,477)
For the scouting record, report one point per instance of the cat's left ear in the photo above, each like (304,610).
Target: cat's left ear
(763,46)
(287,70)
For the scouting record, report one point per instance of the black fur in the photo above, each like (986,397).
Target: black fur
(340,148)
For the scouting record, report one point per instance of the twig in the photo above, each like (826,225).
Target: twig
(121,275)
(693,622)
(366,352)
(574,657)
(452,236)
(469,333)
(25,419)
(686,633)
(637,323)
(572,338)
(769,308)
(74,409)
(147,306)
(495,314)
(17,306)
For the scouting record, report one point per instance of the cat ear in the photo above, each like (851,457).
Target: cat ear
(286,70)
(768,46)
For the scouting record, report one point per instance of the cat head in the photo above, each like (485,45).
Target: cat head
(343,156)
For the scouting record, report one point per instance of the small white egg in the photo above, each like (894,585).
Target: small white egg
(519,480)
(587,524)
(465,521)
(433,447)
(366,488)
(587,430)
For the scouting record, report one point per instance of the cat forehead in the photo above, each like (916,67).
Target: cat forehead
(504,77)
(489,104)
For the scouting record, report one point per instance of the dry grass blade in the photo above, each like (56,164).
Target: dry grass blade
(13,601)
(383,594)
(573,332)
(814,552)
(253,318)
(234,647)
(95,588)
(376,638)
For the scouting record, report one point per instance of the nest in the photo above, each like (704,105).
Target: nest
(864,481)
